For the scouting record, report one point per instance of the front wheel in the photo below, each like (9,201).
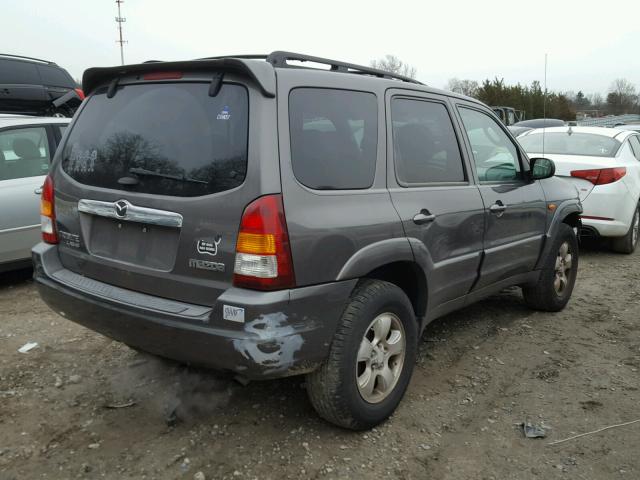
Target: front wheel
(558,276)
(370,360)
(628,243)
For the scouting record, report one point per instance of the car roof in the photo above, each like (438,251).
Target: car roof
(604,131)
(262,69)
(9,120)
(629,126)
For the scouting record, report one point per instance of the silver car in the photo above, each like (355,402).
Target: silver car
(27,145)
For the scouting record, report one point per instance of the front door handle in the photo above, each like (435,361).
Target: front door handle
(498,208)
(423,217)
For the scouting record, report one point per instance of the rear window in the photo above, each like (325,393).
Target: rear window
(166,139)
(563,143)
(334,138)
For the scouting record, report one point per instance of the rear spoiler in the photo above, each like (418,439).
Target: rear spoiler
(259,71)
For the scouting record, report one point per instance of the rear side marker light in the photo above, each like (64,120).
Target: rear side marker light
(48,213)
(162,76)
(263,254)
(602,176)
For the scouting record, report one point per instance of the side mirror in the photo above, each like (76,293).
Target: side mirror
(542,168)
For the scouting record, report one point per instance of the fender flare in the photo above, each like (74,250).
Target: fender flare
(376,255)
(564,209)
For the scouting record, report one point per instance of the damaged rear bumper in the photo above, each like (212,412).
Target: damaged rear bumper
(284,333)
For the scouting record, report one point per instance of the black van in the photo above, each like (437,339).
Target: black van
(37,87)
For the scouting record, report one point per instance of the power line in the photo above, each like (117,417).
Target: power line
(120,19)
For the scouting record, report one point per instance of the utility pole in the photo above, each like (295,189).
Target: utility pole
(120,19)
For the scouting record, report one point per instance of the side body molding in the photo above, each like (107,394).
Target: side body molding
(376,255)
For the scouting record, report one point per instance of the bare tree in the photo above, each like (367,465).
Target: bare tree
(464,87)
(622,97)
(393,64)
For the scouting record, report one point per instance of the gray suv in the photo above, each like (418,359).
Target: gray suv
(251,215)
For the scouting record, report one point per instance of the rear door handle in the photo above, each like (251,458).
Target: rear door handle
(38,191)
(498,208)
(423,217)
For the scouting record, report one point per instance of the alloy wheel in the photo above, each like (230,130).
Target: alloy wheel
(380,358)
(563,268)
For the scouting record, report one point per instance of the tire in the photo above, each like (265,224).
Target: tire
(552,291)
(334,389)
(61,112)
(628,243)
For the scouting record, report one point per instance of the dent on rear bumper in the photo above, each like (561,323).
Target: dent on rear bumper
(285,332)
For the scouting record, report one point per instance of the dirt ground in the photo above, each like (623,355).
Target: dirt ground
(480,372)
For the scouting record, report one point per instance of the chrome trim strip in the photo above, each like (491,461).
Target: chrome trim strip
(20,229)
(133,213)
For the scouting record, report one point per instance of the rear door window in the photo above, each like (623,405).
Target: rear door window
(166,138)
(24,152)
(334,138)
(425,147)
(15,71)
(634,141)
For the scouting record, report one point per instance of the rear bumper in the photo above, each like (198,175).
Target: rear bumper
(284,333)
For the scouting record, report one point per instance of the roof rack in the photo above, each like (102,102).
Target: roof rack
(280,59)
(20,57)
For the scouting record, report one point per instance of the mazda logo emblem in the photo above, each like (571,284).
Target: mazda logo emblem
(121,207)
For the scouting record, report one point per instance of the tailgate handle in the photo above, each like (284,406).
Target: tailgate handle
(123,210)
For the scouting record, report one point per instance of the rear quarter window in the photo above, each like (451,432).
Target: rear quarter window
(55,76)
(172,138)
(334,138)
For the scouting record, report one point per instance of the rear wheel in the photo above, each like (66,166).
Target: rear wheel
(558,276)
(628,243)
(370,361)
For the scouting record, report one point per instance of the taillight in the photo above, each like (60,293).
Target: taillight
(80,93)
(263,254)
(48,213)
(601,176)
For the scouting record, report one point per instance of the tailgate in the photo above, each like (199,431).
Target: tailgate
(151,187)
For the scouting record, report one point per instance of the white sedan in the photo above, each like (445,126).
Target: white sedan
(27,145)
(604,164)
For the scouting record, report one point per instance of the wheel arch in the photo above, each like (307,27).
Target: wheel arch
(391,260)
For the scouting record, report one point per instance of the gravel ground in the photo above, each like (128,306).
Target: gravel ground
(480,372)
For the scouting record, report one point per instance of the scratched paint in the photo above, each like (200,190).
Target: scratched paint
(272,343)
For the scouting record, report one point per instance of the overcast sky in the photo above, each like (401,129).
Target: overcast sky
(589,42)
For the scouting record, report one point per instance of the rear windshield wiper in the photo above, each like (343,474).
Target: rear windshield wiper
(150,173)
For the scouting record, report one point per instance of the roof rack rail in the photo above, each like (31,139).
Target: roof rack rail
(21,57)
(257,56)
(281,59)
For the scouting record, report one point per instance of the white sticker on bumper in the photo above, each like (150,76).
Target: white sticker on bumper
(234,314)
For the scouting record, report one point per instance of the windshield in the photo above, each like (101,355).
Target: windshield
(166,139)
(562,143)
